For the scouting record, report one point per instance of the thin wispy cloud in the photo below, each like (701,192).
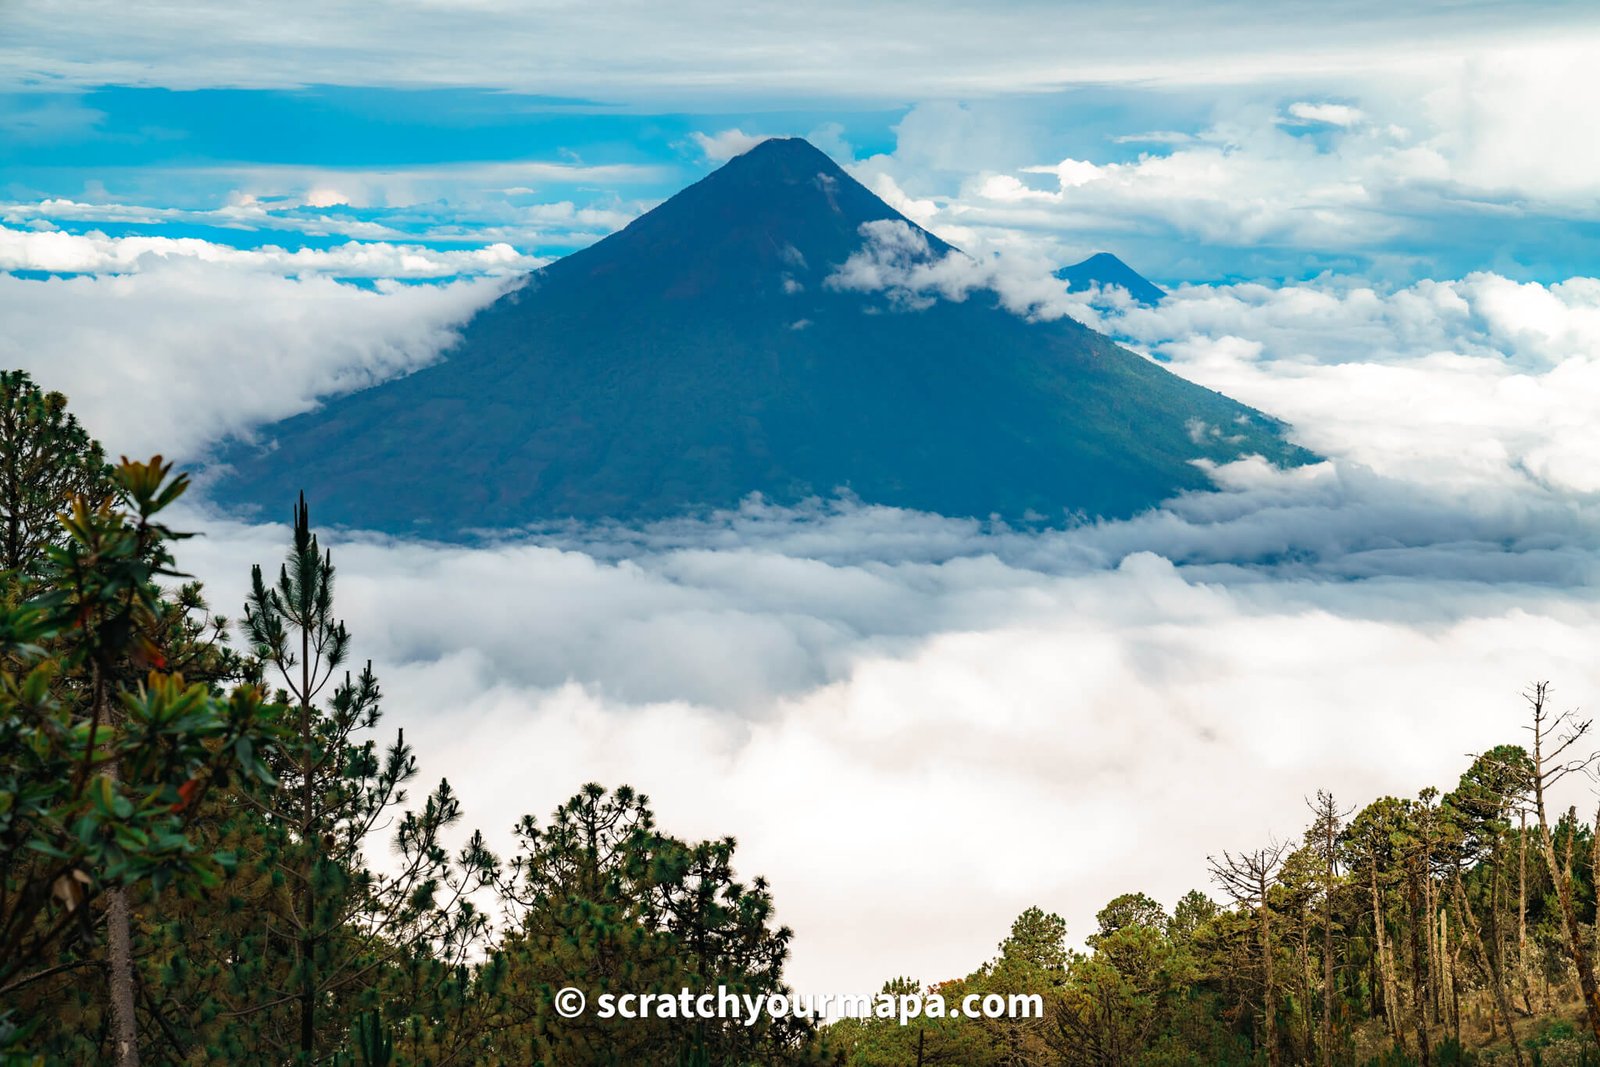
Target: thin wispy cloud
(831,50)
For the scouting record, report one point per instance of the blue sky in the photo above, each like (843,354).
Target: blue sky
(1329,142)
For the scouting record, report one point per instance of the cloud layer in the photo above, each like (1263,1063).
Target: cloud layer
(190,349)
(56,252)
(828,49)
(915,749)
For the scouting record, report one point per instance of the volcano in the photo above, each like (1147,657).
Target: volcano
(707,352)
(1105,270)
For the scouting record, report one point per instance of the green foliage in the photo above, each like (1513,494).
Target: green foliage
(236,824)
(1129,909)
(104,755)
(330,935)
(371,1043)
(603,900)
(46,461)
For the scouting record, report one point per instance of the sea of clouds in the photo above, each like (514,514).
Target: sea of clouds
(917,726)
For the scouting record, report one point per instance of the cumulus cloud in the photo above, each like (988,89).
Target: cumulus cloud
(871,699)
(504,214)
(1427,169)
(1477,382)
(897,260)
(723,146)
(185,350)
(1332,114)
(1234,185)
(1465,383)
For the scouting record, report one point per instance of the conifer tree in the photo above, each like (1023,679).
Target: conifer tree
(603,900)
(337,928)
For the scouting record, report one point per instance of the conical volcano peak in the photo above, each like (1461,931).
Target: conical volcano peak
(1104,269)
(780,215)
(784,153)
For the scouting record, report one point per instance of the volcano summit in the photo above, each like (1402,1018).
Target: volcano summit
(701,354)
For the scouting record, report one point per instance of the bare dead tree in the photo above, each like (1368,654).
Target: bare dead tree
(1248,878)
(1555,741)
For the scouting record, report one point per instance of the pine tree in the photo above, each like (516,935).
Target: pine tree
(335,928)
(603,900)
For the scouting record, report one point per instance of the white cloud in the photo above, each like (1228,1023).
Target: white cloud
(1429,168)
(723,146)
(487,220)
(186,350)
(1474,382)
(936,727)
(829,49)
(94,253)
(1481,381)
(318,186)
(1332,114)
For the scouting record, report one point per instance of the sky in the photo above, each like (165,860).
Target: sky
(1377,222)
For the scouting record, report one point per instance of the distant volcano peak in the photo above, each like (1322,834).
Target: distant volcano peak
(1105,270)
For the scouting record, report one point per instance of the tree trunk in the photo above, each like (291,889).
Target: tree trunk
(1327,941)
(1522,914)
(1575,943)
(119,933)
(1308,985)
(310,842)
(1469,930)
(1391,995)
(1269,1000)
(1431,968)
(119,957)
(1454,949)
(1594,876)
(1419,970)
